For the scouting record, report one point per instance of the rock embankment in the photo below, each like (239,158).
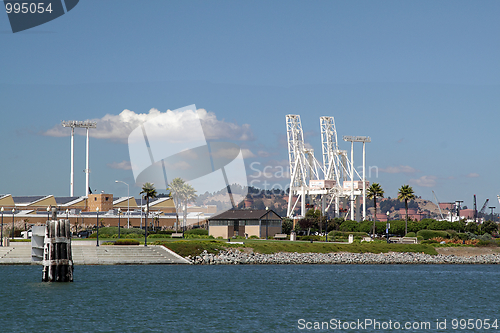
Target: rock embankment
(236,257)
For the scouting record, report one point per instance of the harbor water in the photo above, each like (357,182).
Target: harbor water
(252,298)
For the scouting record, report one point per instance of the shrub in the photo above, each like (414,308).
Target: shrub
(165,232)
(159,236)
(126,241)
(462,236)
(252,237)
(349,226)
(196,232)
(483,243)
(308,238)
(456,241)
(485,237)
(452,233)
(429,241)
(197,236)
(411,234)
(346,234)
(428,234)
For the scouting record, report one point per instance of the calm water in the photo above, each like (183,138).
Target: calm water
(244,298)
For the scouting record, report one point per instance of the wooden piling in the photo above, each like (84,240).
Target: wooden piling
(57,257)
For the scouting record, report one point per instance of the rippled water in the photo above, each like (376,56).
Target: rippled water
(244,298)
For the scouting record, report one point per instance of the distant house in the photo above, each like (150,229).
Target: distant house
(260,223)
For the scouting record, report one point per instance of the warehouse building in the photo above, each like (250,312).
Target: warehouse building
(260,223)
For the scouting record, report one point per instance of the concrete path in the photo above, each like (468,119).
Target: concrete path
(20,254)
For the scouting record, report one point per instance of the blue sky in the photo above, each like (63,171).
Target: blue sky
(420,78)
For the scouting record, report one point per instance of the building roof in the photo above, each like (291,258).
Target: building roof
(64,200)
(48,200)
(27,199)
(6,200)
(243,214)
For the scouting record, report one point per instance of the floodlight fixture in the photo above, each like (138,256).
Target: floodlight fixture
(351,138)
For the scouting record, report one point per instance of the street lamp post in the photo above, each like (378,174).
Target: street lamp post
(146,228)
(326,230)
(119,211)
(1,242)
(13,212)
(267,222)
(128,202)
(48,213)
(387,227)
(97,210)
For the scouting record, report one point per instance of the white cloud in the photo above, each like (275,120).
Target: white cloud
(399,169)
(123,165)
(179,125)
(263,153)
(424,181)
(472,175)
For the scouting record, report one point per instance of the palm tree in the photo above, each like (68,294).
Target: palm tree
(175,190)
(189,195)
(374,191)
(406,193)
(183,193)
(148,191)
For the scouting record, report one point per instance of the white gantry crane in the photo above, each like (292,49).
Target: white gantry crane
(332,183)
(303,165)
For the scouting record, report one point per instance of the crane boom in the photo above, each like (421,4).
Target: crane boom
(484,206)
(437,203)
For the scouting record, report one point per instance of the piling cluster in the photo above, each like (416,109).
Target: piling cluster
(237,257)
(57,256)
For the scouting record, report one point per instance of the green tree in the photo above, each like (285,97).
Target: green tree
(489,227)
(287,226)
(405,194)
(374,191)
(472,228)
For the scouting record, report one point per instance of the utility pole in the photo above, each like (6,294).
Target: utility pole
(457,204)
(475,209)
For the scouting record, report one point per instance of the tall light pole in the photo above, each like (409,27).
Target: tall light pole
(387,226)
(97,210)
(80,124)
(267,222)
(146,228)
(13,212)
(364,140)
(128,202)
(1,243)
(119,212)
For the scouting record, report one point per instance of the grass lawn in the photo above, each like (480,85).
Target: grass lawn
(196,247)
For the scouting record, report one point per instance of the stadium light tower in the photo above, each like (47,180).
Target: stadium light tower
(80,124)
(353,139)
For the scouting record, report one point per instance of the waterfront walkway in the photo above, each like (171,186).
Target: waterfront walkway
(85,253)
